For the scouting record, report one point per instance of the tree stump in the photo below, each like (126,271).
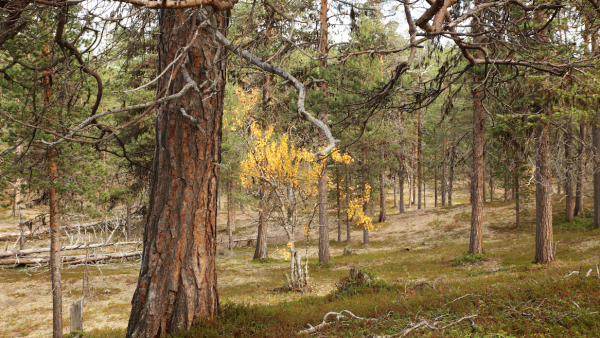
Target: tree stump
(77,315)
(347,251)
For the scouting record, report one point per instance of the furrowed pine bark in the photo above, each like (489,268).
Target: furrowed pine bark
(323,205)
(580,169)
(569,213)
(544,250)
(476,238)
(177,283)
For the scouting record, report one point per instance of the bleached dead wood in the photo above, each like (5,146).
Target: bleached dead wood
(16,235)
(64,248)
(79,259)
(338,316)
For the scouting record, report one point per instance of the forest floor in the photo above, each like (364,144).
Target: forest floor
(500,294)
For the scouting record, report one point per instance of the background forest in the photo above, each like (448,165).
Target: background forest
(222,168)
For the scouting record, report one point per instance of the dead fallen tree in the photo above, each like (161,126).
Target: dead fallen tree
(79,259)
(28,233)
(15,253)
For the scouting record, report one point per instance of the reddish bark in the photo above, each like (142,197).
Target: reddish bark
(177,282)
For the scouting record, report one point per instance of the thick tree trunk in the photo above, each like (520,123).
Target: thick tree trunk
(580,169)
(476,239)
(177,284)
(260,251)
(568,175)
(451,178)
(544,250)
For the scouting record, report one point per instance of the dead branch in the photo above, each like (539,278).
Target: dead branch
(16,253)
(338,316)
(79,259)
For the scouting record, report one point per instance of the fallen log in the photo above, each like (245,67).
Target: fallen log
(15,235)
(64,248)
(79,259)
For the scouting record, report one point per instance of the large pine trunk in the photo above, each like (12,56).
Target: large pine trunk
(178,283)
(580,169)
(544,251)
(568,175)
(477,179)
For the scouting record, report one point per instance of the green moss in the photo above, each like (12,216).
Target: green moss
(467,259)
